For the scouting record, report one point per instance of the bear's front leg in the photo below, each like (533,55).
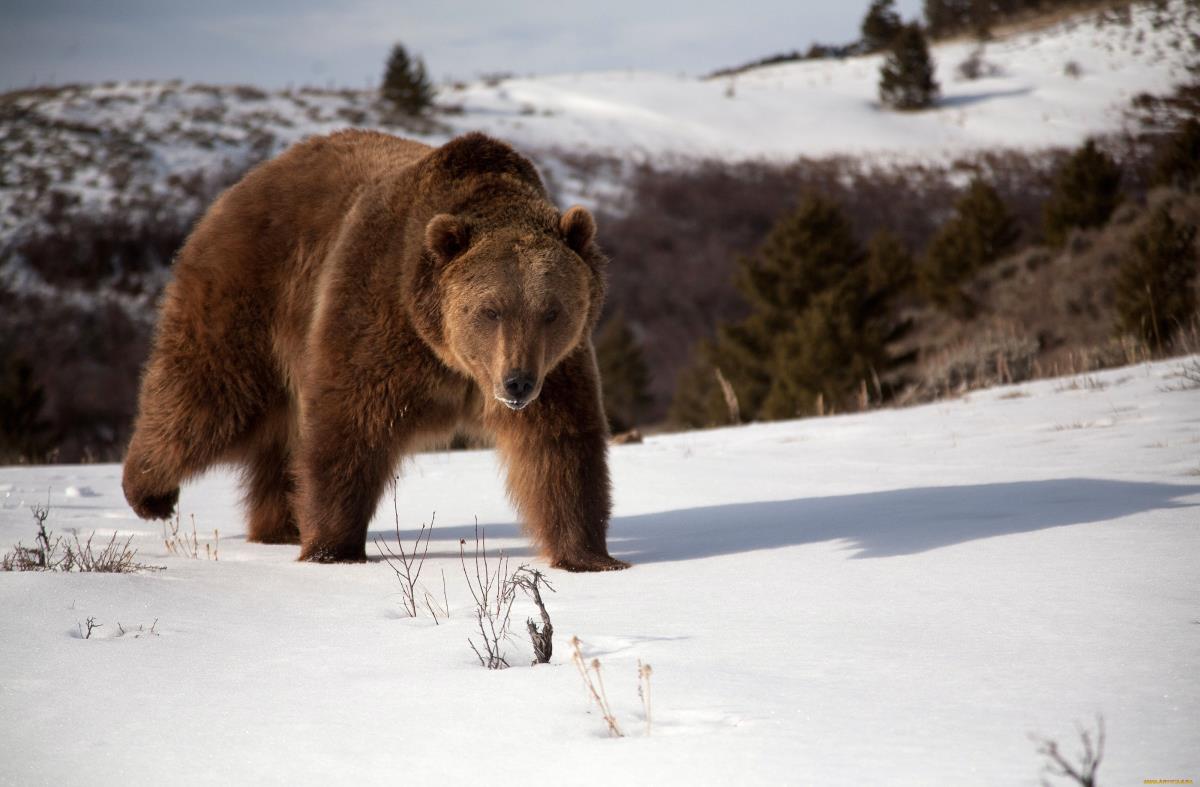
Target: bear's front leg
(556,453)
(345,461)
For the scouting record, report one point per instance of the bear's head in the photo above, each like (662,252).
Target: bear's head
(513,298)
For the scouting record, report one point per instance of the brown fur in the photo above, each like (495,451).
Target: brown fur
(357,296)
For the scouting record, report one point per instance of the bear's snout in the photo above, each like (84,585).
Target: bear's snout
(518,390)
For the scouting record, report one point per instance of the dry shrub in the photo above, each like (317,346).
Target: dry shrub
(180,543)
(997,356)
(1063,301)
(493,592)
(81,251)
(58,553)
(407,564)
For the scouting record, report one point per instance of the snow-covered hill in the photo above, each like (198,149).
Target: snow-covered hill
(133,146)
(1052,87)
(898,597)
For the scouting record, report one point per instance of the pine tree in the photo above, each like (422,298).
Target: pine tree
(890,267)
(807,252)
(1178,163)
(881,25)
(981,230)
(819,325)
(1155,285)
(833,346)
(624,375)
(943,17)
(906,78)
(406,85)
(1086,191)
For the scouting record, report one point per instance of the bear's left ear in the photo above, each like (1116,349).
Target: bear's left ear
(578,228)
(447,236)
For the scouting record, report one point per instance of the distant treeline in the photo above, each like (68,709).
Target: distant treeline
(940,18)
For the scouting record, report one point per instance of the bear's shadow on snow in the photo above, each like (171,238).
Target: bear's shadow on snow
(886,524)
(873,524)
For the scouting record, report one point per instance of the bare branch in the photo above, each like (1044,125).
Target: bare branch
(494,593)
(529,580)
(1083,774)
(405,565)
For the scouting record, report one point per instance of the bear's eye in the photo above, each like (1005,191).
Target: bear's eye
(551,316)
(491,314)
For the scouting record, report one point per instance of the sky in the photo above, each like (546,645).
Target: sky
(344,44)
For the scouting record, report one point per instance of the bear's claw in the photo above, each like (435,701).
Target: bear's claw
(590,563)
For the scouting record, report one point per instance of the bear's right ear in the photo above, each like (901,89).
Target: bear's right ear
(447,236)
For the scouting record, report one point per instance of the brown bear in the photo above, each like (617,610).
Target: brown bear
(357,297)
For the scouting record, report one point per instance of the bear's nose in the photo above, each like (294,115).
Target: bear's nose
(518,384)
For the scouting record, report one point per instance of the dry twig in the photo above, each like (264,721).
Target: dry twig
(529,580)
(141,631)
(595,690)
(407,565)
(644,673)
(1083,774)
(91,625)
(494,593)
(180,544)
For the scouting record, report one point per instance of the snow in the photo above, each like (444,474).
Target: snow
(830,107)
(900,597)
(81,140)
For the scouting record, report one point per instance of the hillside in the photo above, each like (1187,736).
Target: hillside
(130,144)
(903,596)
(1050,87)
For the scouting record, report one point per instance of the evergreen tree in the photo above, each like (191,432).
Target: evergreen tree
(906,78)
(881,25)
(819,325)
(22,431)
(831,347)
(1086,191)
(890,267)
(981,230)
(406,85)
(1178,163)
(807,252)
(1155,285)
(624,375)
(943,17)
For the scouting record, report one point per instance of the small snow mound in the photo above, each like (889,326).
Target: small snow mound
(81,491)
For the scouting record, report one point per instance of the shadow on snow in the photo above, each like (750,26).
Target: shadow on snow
(875,524)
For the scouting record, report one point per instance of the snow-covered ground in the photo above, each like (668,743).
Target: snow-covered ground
(1051,87)
(898,597)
